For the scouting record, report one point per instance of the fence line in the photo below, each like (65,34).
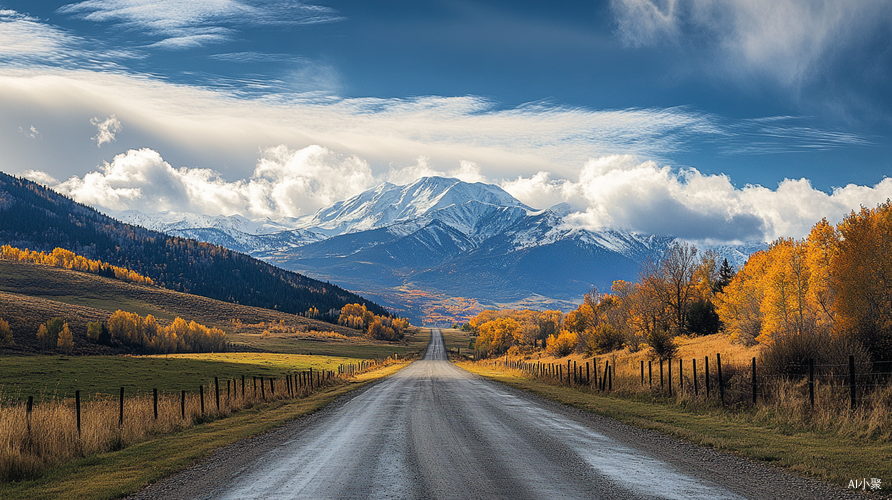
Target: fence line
(34,436)
(744,384)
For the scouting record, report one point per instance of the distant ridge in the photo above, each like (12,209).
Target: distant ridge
(419,246)
(32,216)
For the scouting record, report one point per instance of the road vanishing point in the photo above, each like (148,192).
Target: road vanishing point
(433,430)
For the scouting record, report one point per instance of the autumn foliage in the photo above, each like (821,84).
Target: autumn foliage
(358,317)
(836,283)
(144,333)
(67,259)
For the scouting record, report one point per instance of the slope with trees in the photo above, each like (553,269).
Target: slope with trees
(34,217)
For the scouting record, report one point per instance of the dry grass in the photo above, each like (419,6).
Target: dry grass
(782,402)
(31,443)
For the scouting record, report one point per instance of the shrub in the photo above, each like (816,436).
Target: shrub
(789,354)
(602,339)
(702,318)
(663,343)
(562,345)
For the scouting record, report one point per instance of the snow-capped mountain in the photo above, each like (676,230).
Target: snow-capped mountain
(436,236)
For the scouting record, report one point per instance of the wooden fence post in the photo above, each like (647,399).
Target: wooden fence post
(811,382)
(642,372)
(706,373)
(217,392)
(243,386)
(718,362)
(650,372)
(661,374)
(77,405)
(670,377)
(201,396)
(754,380)
(262,389)
(680,375)
(155,402)
(121,408)
(696,389)
(28,408)
(852,387)
(588,378)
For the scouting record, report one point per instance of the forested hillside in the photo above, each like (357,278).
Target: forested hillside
(34,217)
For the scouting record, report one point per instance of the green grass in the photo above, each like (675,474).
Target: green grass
(355,347)
(124,472)
(456,339)
(48,376)
(822,455)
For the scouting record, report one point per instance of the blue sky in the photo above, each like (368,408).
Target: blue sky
(774,111)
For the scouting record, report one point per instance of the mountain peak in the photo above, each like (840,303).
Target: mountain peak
(387,204)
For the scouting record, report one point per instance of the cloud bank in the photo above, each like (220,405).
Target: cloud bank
(611,192)
(619,191)
(788,40)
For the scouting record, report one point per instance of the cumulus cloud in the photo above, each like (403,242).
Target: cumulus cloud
(285,183)
(619,191)
(787,39)
(105,129)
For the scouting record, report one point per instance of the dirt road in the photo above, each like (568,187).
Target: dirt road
(436,431)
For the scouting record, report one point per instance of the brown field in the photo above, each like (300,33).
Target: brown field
(30,294)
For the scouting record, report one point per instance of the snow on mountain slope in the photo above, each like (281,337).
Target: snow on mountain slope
(388,204)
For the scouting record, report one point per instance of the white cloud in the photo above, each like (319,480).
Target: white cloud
(30,133)
(611,192)
(285,183)
(786,39)
(40,177)
(621,192)
(187,23)
(105,129)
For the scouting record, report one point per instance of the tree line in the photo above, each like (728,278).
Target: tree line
(825,296)
(67,259)
(358,317)
(32,216)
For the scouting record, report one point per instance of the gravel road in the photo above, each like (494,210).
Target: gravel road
(435,431)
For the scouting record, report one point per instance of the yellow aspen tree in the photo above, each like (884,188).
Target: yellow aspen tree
(65,344)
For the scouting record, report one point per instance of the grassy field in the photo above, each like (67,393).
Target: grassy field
(768,434)
(327,344)
(122,472)
(456,339)
(46,377)
(30,294)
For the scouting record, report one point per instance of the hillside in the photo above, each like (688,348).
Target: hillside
(35,217)
(30,294)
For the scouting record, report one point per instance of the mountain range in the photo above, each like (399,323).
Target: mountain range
(37,218)
(437,250)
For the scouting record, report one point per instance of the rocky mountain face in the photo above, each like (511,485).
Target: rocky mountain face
(437,249)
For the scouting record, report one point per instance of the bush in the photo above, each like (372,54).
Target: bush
(663,343)
(702,318)
(562,345)
(789,354)
(604,338)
